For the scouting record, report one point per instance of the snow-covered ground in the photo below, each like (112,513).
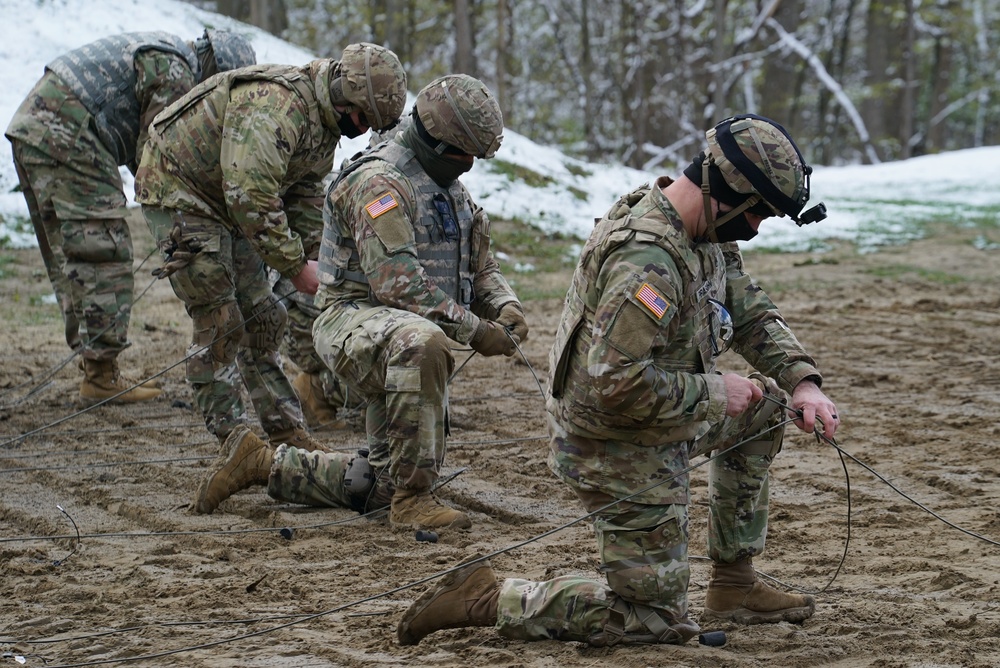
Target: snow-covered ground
(867,204)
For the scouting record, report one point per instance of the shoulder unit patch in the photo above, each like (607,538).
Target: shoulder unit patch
(385,202)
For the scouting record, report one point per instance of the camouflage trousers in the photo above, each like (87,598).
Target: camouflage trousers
(399,363)
(298,344)
(310,478)
(77,208)
(644,547)
(237,324)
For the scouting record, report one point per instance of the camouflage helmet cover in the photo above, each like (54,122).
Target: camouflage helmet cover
(231,51)
(461,111)
(756,155)
(373,79)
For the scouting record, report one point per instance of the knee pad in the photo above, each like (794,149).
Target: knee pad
(358,480)
(266,325)
(220,331)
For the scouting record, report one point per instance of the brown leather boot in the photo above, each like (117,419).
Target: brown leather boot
(126,378)
(736,595)
(319,412)
(246,462)
(297,438)
(102,380)
(422,510)
(465,597)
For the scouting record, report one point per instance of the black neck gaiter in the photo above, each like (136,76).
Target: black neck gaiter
(441,168)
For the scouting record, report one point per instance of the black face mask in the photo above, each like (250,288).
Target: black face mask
(735,229)
(444,170)
(347,127)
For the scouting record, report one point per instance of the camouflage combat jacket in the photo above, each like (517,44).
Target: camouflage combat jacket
(118,84)
(250,148)
(632,360)
(392,236)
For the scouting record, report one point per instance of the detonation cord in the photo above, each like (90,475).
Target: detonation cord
(45,381)
(479,558)
(424,580)
(155,375)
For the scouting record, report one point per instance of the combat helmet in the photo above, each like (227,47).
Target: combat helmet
(758,159)
(459,110)
(222,50)
(373,79)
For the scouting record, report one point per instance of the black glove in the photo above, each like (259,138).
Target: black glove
(492,339)
(512,318)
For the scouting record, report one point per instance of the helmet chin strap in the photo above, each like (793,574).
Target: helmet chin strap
(712,223)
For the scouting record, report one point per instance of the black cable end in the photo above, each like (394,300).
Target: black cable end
(712,638)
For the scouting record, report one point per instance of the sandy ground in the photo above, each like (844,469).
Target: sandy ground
(906,337)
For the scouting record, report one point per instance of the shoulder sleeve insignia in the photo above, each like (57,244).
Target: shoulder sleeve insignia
(653,300)
(385,202)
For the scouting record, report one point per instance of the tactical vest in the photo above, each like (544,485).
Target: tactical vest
(290,77)
(702,270)
(443,251)
(102,75)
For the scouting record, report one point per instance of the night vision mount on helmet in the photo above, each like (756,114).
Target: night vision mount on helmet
(758,158)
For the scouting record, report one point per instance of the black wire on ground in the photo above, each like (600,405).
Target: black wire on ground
(45,380)
(110,399)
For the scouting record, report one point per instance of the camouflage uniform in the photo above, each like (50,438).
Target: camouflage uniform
(232,178)
(233,173)
(302,310)
(87,115)
(634,397)
(405,269)
(298,344)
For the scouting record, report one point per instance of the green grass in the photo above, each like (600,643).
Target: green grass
(5,265)
(539,265)
(519,173)
(577,170)
(526,245)
(896,271)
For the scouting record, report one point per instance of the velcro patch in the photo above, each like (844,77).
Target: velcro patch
(653,300)
(385,202)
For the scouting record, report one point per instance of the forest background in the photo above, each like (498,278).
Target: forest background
(638,81)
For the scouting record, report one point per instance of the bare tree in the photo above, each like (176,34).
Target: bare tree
(271,15)
(465,56)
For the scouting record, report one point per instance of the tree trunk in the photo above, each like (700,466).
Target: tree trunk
(465,56)
(908,106)
(271,15)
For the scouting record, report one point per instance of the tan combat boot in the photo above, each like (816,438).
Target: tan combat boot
(126,378)
(422,510)
(465,597)
(102,380)
(319,412)
(736,595)
(297,438)
(246,461)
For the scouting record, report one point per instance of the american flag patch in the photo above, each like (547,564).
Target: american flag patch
(652,300)
(384,203)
